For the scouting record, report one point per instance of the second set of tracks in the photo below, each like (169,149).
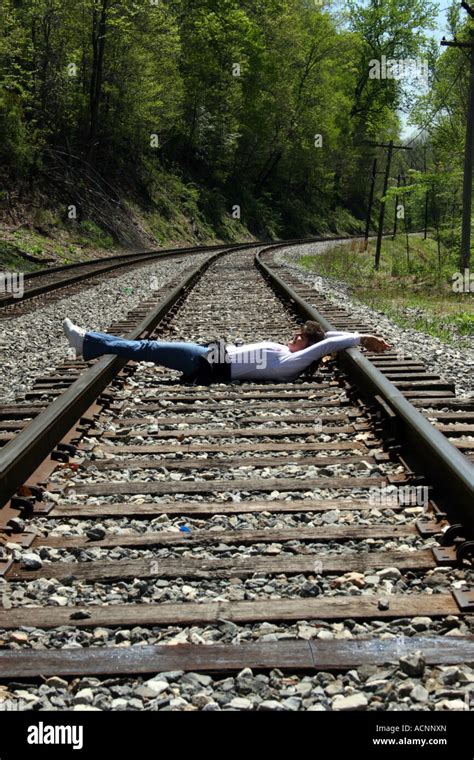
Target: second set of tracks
(52,283)
(259,503)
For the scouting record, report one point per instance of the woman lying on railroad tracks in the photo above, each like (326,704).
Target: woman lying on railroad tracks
(220,362)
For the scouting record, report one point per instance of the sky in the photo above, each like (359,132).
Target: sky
(442,23)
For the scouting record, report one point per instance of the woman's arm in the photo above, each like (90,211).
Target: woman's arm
(370,342)
(299,360)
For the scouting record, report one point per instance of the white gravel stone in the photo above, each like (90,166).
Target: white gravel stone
(452,704)
(389,573)
(240,703)
(157,686)
(352,702)
(57,683)
(197,678)
(270,704)
(325,635)
(31,561)
(19,636)
(84,697)
(421,623)
(412,664)
(119,704)
(419,694)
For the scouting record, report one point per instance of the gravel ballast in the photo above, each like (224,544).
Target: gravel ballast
(34,344)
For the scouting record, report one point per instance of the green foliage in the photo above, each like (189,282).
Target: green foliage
(14,145)
(392,28)
(12,260)
(413,291)
(440,113)
(94,234)
(226,96)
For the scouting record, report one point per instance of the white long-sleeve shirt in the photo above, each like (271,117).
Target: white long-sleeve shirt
(274,361)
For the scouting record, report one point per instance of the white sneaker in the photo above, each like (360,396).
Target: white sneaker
(75,335)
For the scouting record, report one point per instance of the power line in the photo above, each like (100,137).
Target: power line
(433,115)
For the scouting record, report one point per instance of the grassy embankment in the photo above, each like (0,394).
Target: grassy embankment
(414,291)
(38,232)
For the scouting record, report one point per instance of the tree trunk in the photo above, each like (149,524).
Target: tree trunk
(269,166)
(99,29)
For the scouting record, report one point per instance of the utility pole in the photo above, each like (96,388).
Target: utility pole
(406,227)
(427,195)
(469,148)
(396,212)
(391,147)
(427,200)
(382,204)
(371,202)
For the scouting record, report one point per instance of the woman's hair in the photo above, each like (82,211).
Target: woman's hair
(313,332)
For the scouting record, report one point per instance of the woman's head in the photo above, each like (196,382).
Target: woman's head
(311,332)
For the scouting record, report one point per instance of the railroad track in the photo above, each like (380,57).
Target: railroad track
(53,283)
(138,512)
(434,396)
(43,286)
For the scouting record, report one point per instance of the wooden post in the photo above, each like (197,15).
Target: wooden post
(465,257)
(396,212)
(371,202)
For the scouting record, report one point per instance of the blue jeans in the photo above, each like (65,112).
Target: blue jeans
(183,357)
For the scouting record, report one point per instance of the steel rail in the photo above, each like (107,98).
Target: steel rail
(447,468)
(131,259)
(120,256)
(120,261)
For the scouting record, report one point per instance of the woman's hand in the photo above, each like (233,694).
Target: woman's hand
(373,343)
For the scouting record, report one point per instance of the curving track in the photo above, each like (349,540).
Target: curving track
(254,504)
(55,282)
